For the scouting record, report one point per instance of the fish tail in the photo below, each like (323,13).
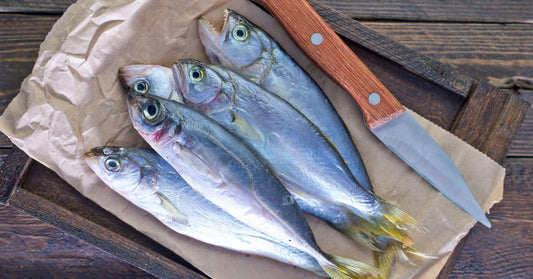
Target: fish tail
(361,231)
(391,250)
(343,268)
(394,222)
(366,233)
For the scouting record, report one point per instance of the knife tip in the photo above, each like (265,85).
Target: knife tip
(485,221)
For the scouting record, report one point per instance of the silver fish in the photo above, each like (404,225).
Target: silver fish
(149,182)
(301,157)
(230,175)
(339,217)
(246,49)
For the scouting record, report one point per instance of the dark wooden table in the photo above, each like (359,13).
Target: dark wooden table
(488,40)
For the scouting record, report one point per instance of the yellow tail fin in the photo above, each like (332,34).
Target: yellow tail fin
(365,232)
(343,268)
(390,251)
(394,222)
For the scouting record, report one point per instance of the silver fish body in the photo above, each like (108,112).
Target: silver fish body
(149,182)
(230,175)
(301,157)
(266,128)
(258,57)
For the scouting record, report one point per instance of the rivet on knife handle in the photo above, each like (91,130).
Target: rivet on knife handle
(352,74)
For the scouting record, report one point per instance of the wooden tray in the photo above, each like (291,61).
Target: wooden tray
(485,117)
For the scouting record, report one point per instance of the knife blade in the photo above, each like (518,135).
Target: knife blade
(383,113)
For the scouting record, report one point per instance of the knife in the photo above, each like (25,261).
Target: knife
(384,115)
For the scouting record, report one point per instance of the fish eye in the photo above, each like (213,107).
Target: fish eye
(196,74)
(240,32)
(141,86)
(112,164)
(151,110)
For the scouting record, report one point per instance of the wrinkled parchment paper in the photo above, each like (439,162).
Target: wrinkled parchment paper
(73,101)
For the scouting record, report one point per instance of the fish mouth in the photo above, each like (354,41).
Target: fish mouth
(90,159)
(212,37)
(128,75)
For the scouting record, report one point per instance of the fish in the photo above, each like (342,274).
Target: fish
(232,176)
(301,157)
(337,216)
(245,48)
(145,179)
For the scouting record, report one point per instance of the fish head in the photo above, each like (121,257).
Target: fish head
(113,166)
(237,45)
(201,85)
(151,80)
(151,118)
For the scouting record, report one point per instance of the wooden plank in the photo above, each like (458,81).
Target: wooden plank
(482,50)
(35,6)
(54,253)
(13,168)
(501,114)
(506,11)
(20,38)
(522,145)
(123,247)
(504,250)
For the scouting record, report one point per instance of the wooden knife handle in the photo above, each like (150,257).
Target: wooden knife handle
(336,59)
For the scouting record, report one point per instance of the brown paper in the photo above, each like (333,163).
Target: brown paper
(73,102)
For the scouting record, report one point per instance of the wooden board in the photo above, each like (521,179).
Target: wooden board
(55,254)
(508,11)
(400,68)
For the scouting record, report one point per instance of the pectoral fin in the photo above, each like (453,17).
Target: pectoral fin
(245,128)
(177,216)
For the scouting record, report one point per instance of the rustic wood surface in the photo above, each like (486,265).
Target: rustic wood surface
(30,248)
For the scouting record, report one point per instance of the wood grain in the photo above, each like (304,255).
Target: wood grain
(20,38)
(522,145)
(498,110)
(35,6)
(506,11)
(125,248)
(504,250)
(12,170)
(482,50)
(501,11)
(336,59)
(54,253)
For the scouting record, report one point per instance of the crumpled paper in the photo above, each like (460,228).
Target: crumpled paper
(73,101)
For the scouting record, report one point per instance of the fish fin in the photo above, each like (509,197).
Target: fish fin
(395,222)
(412,251)
(391,251)
(361,231)
(174,212)
(245,128)
(342,268)
(384,259)
(189,157)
